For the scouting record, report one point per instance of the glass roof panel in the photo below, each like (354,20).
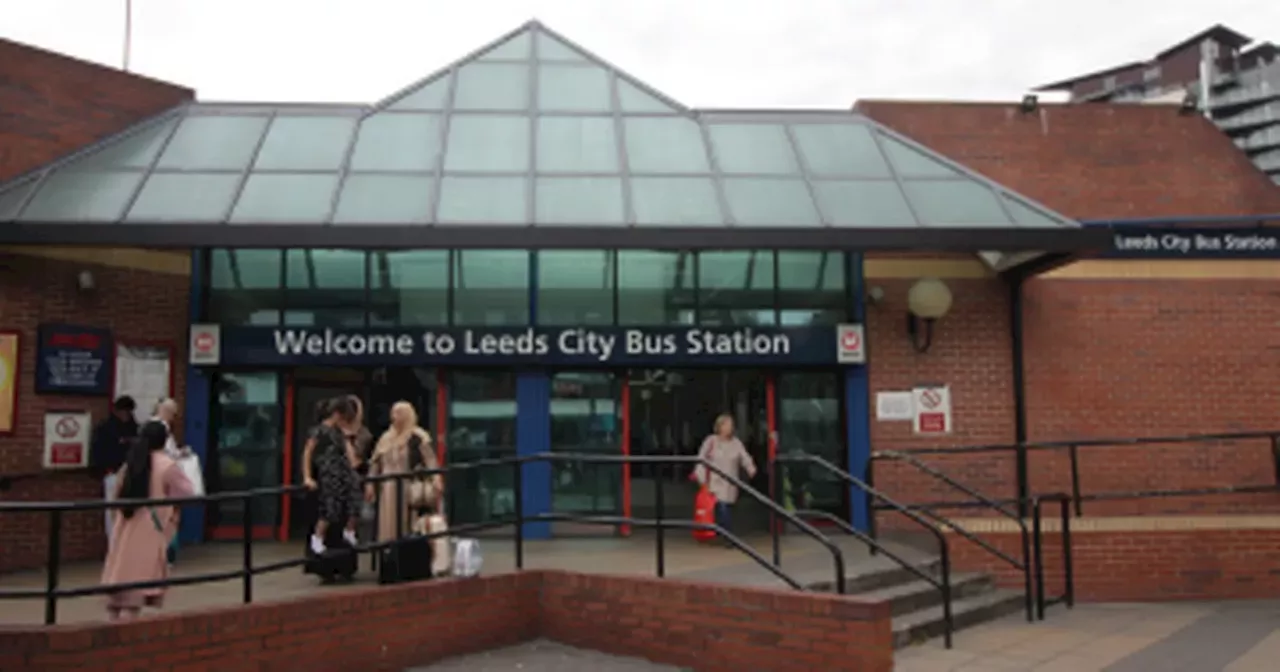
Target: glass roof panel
(572,88)
(517,48)
(579,200)
(577,144)
(955,203)
(136,150)
(632,99)
(676,201)
(82,195)
(492,86)
(551,49)
(753,148)
(810,270)
(839,150)
(863,204)
(213,143)
(285,199)
(487,143)
(908,162)
(397,142)
(184,197)
(427,97)
(483,200)
(770,202)
(385,199)
(12,198)
(1029,216)
(305,143)
(665,145)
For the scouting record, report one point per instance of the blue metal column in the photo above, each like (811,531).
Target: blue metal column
(533,435)
(857,401)
(195,413)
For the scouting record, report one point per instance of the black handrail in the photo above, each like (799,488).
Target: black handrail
(52,592)
(1068,595)
(1024,565)
(944,551)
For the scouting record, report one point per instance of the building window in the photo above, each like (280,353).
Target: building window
(409,288)
(736,288)
(481,425)
(811,288)
(490,288)
(325,288)
(1109,83)
(247,451)
(575,287)
(245,287)
(656,288)
(1151,74)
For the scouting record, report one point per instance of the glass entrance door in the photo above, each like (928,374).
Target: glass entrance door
(585,419)
(246,452)
(810,421)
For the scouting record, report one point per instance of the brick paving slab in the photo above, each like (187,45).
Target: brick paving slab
(544,656)
(1212,642)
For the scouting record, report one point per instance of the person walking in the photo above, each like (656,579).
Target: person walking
(141,533)
(166,413)
(723,450)
(112,439)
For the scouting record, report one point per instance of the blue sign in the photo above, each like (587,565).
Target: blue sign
(1177,243)
(555,346)
(73,360)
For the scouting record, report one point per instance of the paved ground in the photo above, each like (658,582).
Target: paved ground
(544,656)
(1182,637)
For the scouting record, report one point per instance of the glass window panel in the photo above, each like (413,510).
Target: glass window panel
(869,203)
(910,162)
(632,99)
(736,288)
(492,86)
(248,422)
(325,288)
(385,199)
(955,203)
(579,200)
(518,48)
(585,419)
(840,149)
(72,195)
(575,287)
(483,200)
(551,49)
(573,89)
(809,420)
(676,200)
(1026,215)
(665,145)
(11,199)
(285,199)
(213,143)
(245,287)
(137,150)
(305,143)
(186,197)
(655,288)
(753,148)
(762,202)
(811,288)
(491,287)
(488,143)
(430,96)
(577,144)
(397,142)
(409,288)
(481,425)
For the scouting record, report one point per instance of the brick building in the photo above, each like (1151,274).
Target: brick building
(332,258)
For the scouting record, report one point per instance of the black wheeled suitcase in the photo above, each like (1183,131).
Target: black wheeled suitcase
(407,560)
(338,562)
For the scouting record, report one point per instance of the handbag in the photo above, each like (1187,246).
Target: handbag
(693,475)
(421,492)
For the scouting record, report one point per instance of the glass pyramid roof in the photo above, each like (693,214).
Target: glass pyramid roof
(530,130)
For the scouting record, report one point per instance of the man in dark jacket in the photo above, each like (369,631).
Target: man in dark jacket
(111,441)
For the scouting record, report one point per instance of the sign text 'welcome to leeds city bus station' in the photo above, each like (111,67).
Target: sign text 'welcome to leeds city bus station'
(535,345)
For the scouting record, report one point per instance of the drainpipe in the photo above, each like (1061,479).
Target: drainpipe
(1019,389)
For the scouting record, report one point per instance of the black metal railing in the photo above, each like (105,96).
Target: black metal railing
(52,591)
(778,475)
(1024,565)
(1068,595)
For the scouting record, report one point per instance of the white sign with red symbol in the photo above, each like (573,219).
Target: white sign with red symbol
(851,344)
(66,439)
(932,409)
(206,345)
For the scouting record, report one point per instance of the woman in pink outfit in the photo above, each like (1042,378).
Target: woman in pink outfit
(140,535)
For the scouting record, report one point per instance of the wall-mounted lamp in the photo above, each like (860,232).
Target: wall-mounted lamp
(875,295)
(1030,103)
(928,300)
(85,281)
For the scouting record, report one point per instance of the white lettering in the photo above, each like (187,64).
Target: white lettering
(438,344)
(1147,242)
(1252,243)
(639,343)
(527,343)
(297,342)
(740,342)
(1171,241)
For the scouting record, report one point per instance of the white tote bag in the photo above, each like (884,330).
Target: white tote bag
(189,462)
(467,558)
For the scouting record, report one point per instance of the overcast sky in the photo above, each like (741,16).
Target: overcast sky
(706,53)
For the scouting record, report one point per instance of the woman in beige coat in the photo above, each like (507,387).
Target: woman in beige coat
(403,448)
(723,450)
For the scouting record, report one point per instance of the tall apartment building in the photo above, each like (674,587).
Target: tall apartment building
(1232,79)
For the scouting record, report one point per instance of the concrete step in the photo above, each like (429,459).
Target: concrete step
(927,623)
(912,596)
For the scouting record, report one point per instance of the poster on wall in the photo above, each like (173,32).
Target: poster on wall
(932,409)
(66,439)
(895,406)
(10,342)
(144,372)
(73,360)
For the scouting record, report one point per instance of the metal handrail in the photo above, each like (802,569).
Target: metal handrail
(1025,565)
(944,551)
(1068,596)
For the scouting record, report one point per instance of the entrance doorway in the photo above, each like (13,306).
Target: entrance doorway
(672,411)
(311,388)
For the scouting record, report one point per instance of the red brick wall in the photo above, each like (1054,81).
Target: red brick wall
(393,628)
(135,305)
(55,104)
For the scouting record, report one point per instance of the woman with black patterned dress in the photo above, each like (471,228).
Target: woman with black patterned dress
(329,469)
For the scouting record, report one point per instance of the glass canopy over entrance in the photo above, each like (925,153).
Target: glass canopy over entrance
(529,141)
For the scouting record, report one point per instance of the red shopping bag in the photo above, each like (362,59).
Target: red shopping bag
(704,512)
